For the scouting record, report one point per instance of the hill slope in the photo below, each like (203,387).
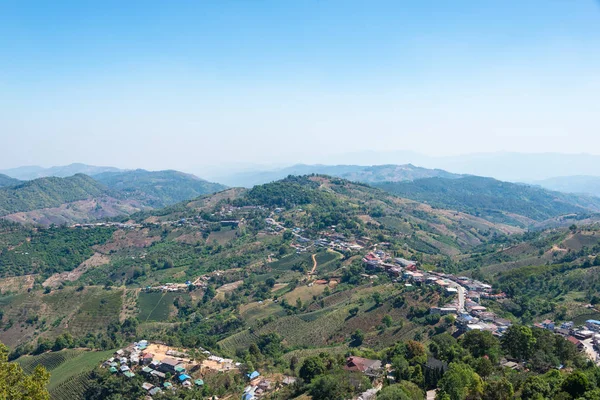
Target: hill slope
(158,188)
(494,200)
(47,192)
(357,173)
(6,180)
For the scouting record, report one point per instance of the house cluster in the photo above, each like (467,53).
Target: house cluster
(574,334)
(158,364)
(482,321)
(397,267)
(169,287)
(119,225)
(258,386)
(339,242)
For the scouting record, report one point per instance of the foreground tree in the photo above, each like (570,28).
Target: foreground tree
(459,383)
(401,391)
(15,384)
(338,385)
(518,341)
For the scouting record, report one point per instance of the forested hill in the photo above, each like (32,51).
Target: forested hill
(48,192)
(6,180)
(494,200)
(158,188)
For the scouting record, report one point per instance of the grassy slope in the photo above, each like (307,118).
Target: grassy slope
(158,188)
(47,192)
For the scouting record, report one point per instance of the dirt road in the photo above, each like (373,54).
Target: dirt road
(314,268)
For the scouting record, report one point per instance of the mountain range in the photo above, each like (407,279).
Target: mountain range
(512,203)
(81,198)
(357,173)
(34,172)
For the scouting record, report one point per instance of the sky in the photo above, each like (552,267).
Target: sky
(189,84)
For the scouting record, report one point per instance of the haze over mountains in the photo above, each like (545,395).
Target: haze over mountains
(506,166)
(109,191)
(32,172)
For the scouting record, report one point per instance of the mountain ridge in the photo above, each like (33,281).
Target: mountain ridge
(493,199)
(358,173)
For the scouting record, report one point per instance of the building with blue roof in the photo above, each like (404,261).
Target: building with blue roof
(253,375)
(184,377)
(593,325)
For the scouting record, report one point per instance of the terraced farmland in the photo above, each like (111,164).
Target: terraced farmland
(69,370)
(156,306)
(72,388)
(98,309)
(50,361)
(286,263)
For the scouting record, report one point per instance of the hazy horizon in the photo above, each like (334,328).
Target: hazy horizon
(188,86)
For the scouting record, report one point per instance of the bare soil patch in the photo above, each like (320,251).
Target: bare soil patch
(17,283)
(95,260)
(124,239)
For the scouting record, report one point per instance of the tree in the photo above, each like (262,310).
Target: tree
(459,383)
(311,368)
(481,343)
(353,311)
(500,389)
(209,294)
(484,367)
(377,298)
(15,384)
(414,350)
(387,320)
(518,341)
(339,385)
(576,384)
(357,338)
(535,387)
(401,391)
(270,282)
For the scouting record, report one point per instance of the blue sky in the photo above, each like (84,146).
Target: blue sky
(159,84)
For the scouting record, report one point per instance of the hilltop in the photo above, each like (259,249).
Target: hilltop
(497,201)
(157,188)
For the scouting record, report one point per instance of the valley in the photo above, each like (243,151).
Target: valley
(313,265)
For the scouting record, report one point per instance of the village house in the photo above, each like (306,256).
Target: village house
(168,365)
(371,368)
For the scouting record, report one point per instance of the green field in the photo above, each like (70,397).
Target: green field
(69,370)
(156,306)
(286,263)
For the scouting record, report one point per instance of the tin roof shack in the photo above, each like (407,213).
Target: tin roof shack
(168,365)
(371,368)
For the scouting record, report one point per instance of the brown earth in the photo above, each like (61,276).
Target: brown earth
(95,260)
(125,239)
(17,283)
(78,212)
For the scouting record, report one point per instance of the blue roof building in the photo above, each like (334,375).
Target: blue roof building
(184,377)
(253,375)
(593,324)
